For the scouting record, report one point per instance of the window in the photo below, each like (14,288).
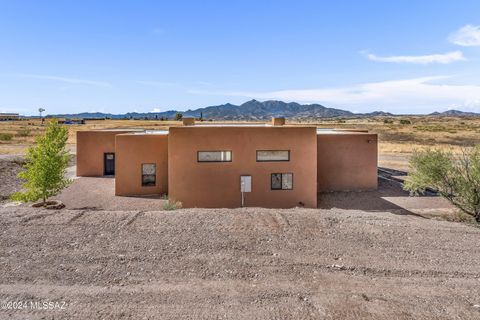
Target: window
(273,155)
(149,174)
(214,156)
(282,181)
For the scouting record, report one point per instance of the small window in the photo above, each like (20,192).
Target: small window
(282,181)
(214,156)
(149,175)
(273,155)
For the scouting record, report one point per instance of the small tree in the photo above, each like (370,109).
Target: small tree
(457,179)
(45,166)
(178,116)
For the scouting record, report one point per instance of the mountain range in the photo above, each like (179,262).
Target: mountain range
(253,110)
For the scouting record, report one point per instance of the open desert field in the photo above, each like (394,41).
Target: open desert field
(238,264)
(398,136)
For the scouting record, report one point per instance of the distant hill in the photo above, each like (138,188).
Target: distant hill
(252,110)
(455,113)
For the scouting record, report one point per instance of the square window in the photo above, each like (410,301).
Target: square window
(282,181)
(149,174)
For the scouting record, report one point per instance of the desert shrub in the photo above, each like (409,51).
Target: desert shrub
(45,166)
(455,179)
(178,116)
(405,121)
(388,121)
(172,205)
(24,132)
(6,136)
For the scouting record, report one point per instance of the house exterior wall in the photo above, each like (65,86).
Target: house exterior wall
(91,145)
(217,184)
(347,162)
(133,150)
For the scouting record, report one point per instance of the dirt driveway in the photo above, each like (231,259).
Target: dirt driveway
(238,264)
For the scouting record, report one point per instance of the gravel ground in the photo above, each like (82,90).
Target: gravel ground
(10,166)
(99,194)
(238,264)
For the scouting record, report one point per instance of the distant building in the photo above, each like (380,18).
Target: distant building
(9,116)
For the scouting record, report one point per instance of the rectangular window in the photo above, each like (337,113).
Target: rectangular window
(149,175)
(273,155)
(282,181)
(214,156)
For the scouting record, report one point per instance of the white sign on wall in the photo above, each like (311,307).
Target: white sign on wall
(246,183)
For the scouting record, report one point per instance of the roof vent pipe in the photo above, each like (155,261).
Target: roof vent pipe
(188,121)
(278,121)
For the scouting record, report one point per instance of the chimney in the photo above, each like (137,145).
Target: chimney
(278,121)
(188,121)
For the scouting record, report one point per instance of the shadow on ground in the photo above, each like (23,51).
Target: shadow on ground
(389,197)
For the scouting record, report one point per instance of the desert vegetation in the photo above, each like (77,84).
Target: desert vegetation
(45,165)
(456,178)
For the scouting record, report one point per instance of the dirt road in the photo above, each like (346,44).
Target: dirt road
(238,264)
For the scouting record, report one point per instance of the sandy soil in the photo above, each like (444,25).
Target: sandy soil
(238,264)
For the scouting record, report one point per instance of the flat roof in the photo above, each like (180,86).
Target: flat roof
(320,131)
(152,132)
(119,129)
(328,131)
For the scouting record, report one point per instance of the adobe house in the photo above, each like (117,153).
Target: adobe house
(228,166)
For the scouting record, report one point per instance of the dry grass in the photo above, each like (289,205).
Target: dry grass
(394,138)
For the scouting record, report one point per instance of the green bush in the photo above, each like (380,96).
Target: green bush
(46,163)
(455,179)
(172,205)
(6,136)
(178,116)
(405,121)
(388,121)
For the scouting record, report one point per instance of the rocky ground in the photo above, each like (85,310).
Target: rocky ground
(10,166)
(361,255)
(237,264)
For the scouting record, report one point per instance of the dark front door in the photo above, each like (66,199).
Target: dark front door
(109,164)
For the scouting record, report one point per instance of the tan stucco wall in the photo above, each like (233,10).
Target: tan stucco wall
(91,145)
(217,184)
(131,151)
(347,162)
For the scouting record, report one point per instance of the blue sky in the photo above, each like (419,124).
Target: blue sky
(120,56)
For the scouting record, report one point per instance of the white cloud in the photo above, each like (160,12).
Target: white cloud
(155,110)
(406,95)
(467,36)
(64,79)
(445,58)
